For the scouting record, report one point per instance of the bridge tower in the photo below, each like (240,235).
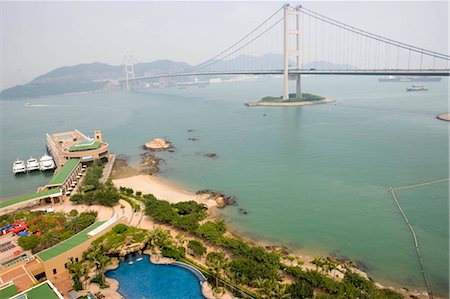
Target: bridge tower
(128,69)
(288,52)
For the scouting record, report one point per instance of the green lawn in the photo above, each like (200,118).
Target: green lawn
(292,98)
(95,145)
(8,291)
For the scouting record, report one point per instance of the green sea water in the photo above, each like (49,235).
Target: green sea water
(312,178)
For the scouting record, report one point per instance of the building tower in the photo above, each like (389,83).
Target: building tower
(288,52)
(98,135)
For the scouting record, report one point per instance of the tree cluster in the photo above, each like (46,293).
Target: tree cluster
(184,215)
(93,191)
(49,229)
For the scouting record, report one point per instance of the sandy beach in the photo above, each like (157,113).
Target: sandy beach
(161,189)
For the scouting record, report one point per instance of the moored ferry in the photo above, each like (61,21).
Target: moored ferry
(46,163)
(19,167)
(32,164)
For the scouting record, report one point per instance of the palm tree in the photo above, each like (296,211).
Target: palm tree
(84,271)
(261,286)
(318,262)
(160,238)
(181,239)
(278,291)
(50,239)
(75,271)
(216,262)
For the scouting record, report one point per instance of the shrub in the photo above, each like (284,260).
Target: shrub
(120,228)
(73,213)
(212,231)
(100,280)
(198,249)
(300,290)
(174,252)
(29,242)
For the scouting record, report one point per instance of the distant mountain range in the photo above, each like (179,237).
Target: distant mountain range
(85,77)
(101,76)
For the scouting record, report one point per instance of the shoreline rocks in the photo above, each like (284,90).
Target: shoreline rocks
(149,164)
(221,199)
(158,144)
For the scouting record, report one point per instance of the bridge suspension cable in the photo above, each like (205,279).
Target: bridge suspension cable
(373,36)
(215,58)
(241,47)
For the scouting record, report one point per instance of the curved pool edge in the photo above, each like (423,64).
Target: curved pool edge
(192,269)
(204,285)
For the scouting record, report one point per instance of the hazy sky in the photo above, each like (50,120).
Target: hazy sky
(40,36)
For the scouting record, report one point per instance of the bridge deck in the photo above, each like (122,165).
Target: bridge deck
(360,72)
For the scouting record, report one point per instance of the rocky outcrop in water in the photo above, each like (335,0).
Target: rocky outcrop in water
(158,144)
(211,155)
(445,117)
(149,164)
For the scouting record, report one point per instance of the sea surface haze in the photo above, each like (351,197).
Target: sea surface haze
(313,178)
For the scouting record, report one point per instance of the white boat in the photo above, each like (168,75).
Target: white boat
(19,167)
(417,88)
(32,164)
(46,163)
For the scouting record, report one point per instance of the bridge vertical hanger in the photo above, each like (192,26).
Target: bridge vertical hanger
(290,11)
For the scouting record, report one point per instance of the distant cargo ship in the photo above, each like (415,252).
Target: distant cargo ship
(409,79)
(417,88)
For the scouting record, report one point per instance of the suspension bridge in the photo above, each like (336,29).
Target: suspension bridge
(296,41)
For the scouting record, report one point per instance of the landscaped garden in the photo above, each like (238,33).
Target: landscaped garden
(228,262)
(93,191)
(293,98)
(47,229)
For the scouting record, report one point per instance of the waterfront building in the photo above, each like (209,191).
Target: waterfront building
(52,263)
(75,145)
(66,176)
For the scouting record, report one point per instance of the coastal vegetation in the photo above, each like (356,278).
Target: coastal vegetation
(93,191)
(48,229)
(293,98)
(244,268)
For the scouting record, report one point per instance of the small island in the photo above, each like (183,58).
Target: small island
(158,144)
(306,99)
(444,117)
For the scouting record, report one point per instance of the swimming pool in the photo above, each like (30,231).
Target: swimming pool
(143,279)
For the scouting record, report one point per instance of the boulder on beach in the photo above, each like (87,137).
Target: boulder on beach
(220,202)
(221,199)
(158,144)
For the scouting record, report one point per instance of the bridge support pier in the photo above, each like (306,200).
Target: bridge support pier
(291,11)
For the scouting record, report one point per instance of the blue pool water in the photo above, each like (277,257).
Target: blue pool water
(143,279)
